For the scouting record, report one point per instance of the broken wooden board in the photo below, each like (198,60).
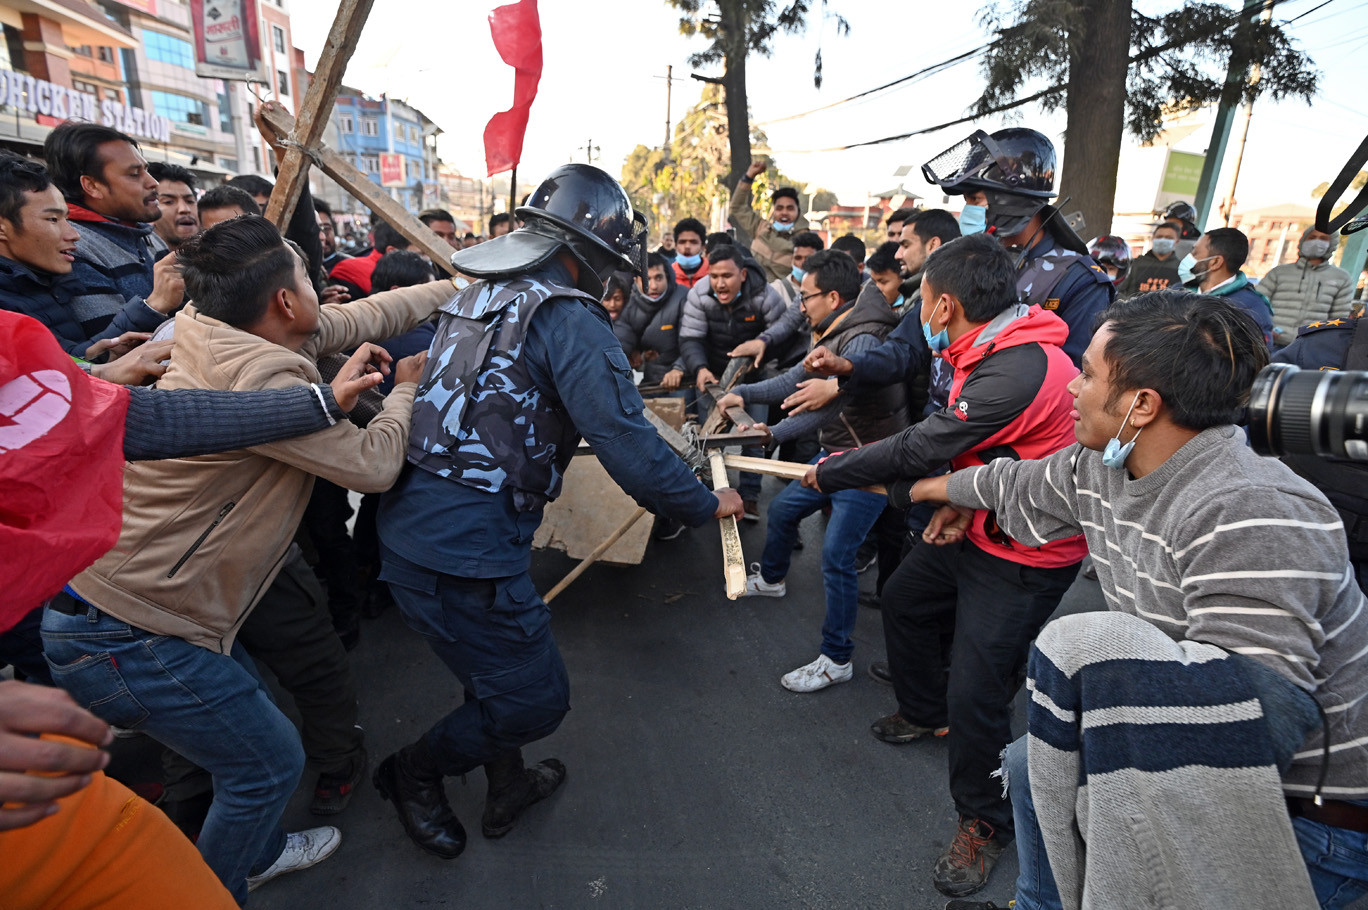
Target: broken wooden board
(592,507)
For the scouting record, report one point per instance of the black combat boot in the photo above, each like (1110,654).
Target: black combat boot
(412,780)
(512,788)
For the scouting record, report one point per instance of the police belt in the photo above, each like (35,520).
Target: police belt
(1331,812)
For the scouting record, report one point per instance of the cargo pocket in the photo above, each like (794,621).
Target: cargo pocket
(628,397)
(415,591)
(519,609)
(526,701)
(95,682)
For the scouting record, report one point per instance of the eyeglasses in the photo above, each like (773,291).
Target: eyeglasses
(806,297)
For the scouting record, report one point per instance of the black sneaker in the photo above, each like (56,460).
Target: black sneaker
(967,862)
(751,510)
(897,729)
(879,672)
(977,905)
(668,529)
(334,791)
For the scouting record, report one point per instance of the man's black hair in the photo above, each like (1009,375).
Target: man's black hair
(162,170)
(233,269)
(690,225)
(977,272)
(717,239)
(726,251)
(810,239)
(427,216)
(785,192)
(852,246)
(72,151)
(883,258)
(322,207)
(930,223)
(1231,245)
(900,215)
(400,269)
(252,184)
(228,196)
(832,270)
(1167,226)
(496,220)
(385,237)
(470,235)
(19,175)
(656,261)
(1200,353)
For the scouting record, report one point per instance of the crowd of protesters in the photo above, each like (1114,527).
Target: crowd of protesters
(985,404)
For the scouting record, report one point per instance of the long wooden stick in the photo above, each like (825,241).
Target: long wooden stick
(733,561)
(789,470)
(316,106)
(588,561)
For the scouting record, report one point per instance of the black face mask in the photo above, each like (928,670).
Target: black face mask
(1008,214)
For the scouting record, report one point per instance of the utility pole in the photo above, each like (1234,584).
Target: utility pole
(1225,113)
(669,83)
(1229,207)
(590,150)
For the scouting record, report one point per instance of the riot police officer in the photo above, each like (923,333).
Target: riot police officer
(1338,344)
(1015,168)
(523,364)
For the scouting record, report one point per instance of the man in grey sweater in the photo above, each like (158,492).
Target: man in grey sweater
(1194,533)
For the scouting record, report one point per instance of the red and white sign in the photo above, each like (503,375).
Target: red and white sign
(227,40)
(392,169)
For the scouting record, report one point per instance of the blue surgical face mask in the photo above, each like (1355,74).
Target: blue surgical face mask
(689,263)
(897,304)
(1162,246)
(939,341)
(783,226)
(973,219)
(797,274)
(1116,452)
(1187,269)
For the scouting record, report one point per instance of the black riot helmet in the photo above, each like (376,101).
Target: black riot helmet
(1183,212)
(1111,250)
(1015,160)
(578,208)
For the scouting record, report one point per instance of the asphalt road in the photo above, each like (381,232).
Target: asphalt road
(694,778)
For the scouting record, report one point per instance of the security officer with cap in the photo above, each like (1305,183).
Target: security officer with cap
(1015,168)
(1183,217)
(523,364)
(1337,344)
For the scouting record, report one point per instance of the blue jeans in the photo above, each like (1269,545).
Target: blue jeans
(494,634)
(211,708)
(1337,860)
(853,513)
(1036,889)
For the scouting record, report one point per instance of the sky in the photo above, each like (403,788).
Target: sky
(599,88)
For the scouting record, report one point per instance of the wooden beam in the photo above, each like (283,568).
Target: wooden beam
(316,107)
(733,561)
(360,186)
(789,470)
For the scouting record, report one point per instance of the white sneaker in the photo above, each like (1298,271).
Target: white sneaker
(817,675)
(302,850)
(756,586)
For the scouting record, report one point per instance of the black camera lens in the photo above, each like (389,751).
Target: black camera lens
(1300,412)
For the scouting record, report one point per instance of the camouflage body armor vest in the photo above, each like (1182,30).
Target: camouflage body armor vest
(478,417)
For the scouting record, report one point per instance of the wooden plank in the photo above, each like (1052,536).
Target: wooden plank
(737,415)
(316,107)
(733,561)
(590,508)
(589,560)
(359,185)
(789,470)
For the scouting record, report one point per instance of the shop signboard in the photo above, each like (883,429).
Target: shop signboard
(227,40)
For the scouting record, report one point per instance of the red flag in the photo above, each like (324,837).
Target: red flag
(61,466)
(517,37)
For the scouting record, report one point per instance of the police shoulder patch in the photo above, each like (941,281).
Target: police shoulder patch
(1051,304)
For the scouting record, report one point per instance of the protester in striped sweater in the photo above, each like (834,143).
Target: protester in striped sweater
(1196,534)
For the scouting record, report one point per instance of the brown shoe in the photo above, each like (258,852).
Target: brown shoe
(965,865)
(752,510)
(897,729)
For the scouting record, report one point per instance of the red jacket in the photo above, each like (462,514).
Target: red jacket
(1008,399)
(684,279)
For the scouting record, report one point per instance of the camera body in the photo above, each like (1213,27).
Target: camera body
(1302,412)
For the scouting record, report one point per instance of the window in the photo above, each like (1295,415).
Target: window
(370,126)
(179,108)
(87,87)
(415,136)
(282,82)
(106,54)
(370,164)
(166,49)
(278,38)
(82,51)
(398,131)
(225,110)
(347,123)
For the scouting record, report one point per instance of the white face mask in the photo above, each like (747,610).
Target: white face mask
(1315,249)
(1163,245)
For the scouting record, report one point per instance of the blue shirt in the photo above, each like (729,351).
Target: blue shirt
(459,530)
